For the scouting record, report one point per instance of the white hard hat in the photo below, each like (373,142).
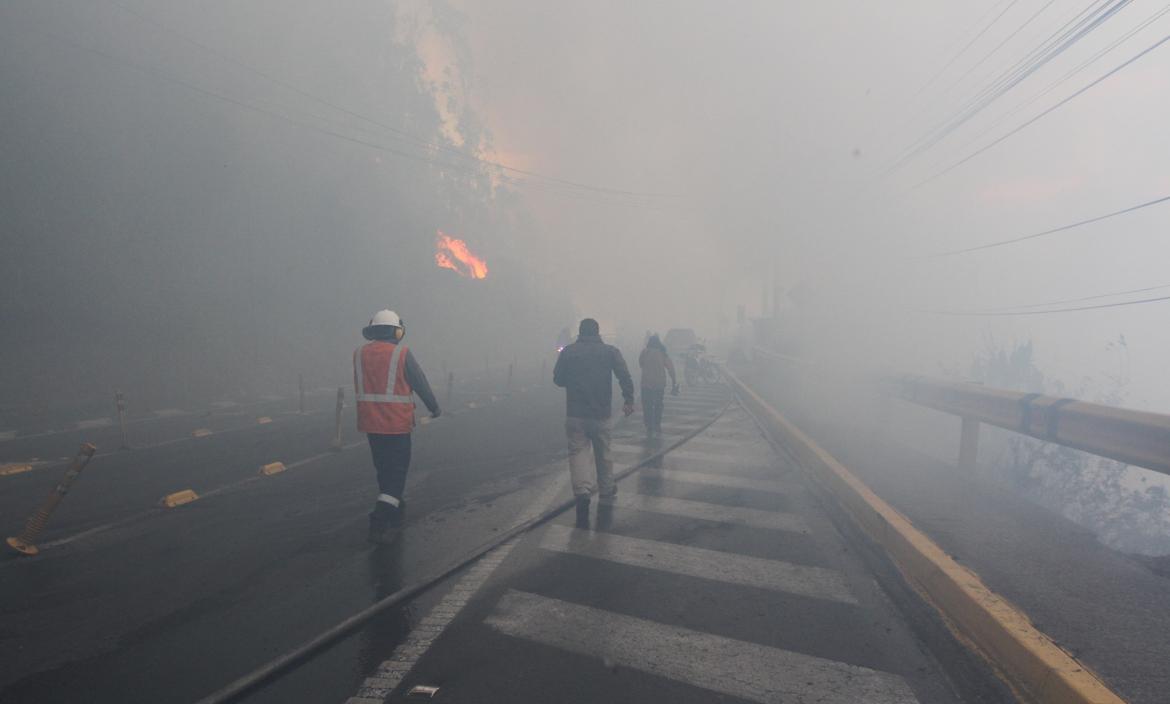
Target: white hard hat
(386,317)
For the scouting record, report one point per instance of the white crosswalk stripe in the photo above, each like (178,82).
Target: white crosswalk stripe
(715,565)
(732,667)
(755,518)
(692,452)
(723,480)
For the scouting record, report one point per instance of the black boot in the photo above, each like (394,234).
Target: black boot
(386,522)
(583,512)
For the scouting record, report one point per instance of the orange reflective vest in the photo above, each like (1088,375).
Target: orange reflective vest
(385,404)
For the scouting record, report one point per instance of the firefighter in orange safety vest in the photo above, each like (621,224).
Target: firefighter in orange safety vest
(385,377)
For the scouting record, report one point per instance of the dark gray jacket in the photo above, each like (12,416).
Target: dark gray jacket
(586,369)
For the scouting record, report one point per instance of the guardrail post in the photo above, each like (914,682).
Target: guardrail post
(26,542)
(301,388)
(968,445)
(450,387)
(121,403)
(336,444)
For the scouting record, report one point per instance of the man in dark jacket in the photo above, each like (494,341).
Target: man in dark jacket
(585,369)
(656,365)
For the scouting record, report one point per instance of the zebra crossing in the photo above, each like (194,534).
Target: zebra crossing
(713,577)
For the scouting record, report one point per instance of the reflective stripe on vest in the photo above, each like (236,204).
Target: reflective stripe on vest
(391,376)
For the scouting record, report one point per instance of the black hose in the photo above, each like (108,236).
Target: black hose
(282,664)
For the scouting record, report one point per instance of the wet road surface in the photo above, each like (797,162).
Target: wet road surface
(132,603)
(714,577)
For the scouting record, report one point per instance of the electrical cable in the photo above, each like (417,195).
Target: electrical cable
(1066,301)
(1054,230)
(1120,304)
(1060,81)
(1037,59)
(1030,122)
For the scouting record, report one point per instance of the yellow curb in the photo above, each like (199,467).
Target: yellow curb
(200,433)
(272,468)
(1027,658)
(11,468)
(178,498)
(263,420)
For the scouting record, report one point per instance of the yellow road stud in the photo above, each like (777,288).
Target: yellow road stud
(272,468)
(262,420)
(178,498)
(11,468)
(200,433)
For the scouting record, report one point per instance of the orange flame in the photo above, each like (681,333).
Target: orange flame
(453,254)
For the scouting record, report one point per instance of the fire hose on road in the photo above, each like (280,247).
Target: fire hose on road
(289,660)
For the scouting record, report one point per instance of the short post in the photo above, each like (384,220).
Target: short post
(968,445)
(25,543)
(121,403)
(450,387)
(301,386)
(336,444)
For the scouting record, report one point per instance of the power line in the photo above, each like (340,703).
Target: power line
(402,133)
(968,45)
(1120,304)
(1081,26)
(1055,107)
(1054,230)
(1066,301)
(1072,72)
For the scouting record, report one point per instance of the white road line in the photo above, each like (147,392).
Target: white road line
(762,458)
(715,565)
(771,520)
(395,668)
(723,480)
(718,444)
(732,667)
(628,448)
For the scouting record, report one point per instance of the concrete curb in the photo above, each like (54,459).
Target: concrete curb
(1031,663)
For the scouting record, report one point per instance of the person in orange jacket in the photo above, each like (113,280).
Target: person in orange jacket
(385,378)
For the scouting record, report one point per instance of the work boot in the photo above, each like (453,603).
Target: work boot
(583,511)
(604,516)
(385,523)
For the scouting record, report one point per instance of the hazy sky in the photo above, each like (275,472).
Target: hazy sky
(752,110)
(765,132)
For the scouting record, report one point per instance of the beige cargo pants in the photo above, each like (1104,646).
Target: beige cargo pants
(585,434)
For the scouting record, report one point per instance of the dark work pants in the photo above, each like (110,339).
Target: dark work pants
(652,408)
(391,460)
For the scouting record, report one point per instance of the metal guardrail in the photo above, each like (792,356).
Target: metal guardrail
(1134,437)
(1138,438)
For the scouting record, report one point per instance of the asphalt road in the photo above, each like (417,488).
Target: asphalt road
(713,577)
(130,602)
(134,603)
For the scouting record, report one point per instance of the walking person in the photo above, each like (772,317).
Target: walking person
(585,369)
(385,378)
(656,365)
